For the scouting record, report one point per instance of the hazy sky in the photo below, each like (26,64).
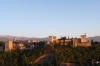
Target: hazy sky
(41,18)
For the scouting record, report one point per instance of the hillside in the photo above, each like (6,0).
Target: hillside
(9,37)
(95,38)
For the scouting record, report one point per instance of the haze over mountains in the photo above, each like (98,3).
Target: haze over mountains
(9,37)
(95,38)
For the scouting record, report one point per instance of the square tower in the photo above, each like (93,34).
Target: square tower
(52,38)
(83,38)
(8,45)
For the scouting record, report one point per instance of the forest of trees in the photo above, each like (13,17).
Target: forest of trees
(80,55)
(2,43)
(22,57)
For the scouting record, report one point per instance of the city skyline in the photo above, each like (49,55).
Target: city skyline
(42,18)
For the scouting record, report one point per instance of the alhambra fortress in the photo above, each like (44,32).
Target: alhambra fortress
(29,44)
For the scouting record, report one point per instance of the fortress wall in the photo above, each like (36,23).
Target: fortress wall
(68,40)
(84,44)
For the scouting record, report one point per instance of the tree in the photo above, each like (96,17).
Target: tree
(92,41)
(2,43)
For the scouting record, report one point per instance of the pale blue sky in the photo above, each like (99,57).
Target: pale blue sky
(41,18)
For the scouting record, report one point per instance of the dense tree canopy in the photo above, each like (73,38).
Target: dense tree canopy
(81,55)
(2,43)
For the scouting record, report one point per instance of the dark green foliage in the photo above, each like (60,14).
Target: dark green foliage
(81,55)
(2,43)
(55,62)
(22,57)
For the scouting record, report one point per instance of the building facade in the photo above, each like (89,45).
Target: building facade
(71,41)
(8,45)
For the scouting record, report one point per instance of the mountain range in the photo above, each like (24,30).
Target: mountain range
(9,37)
(95,38)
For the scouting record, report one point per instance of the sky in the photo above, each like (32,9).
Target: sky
(42,18)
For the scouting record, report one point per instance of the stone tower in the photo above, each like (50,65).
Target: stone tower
(83,38)
(8,45)
(75,41)
(52,38)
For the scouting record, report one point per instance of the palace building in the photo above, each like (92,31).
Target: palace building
(71,41)
(15,44)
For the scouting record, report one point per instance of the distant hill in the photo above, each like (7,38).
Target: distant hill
(9,37)
(95,38)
